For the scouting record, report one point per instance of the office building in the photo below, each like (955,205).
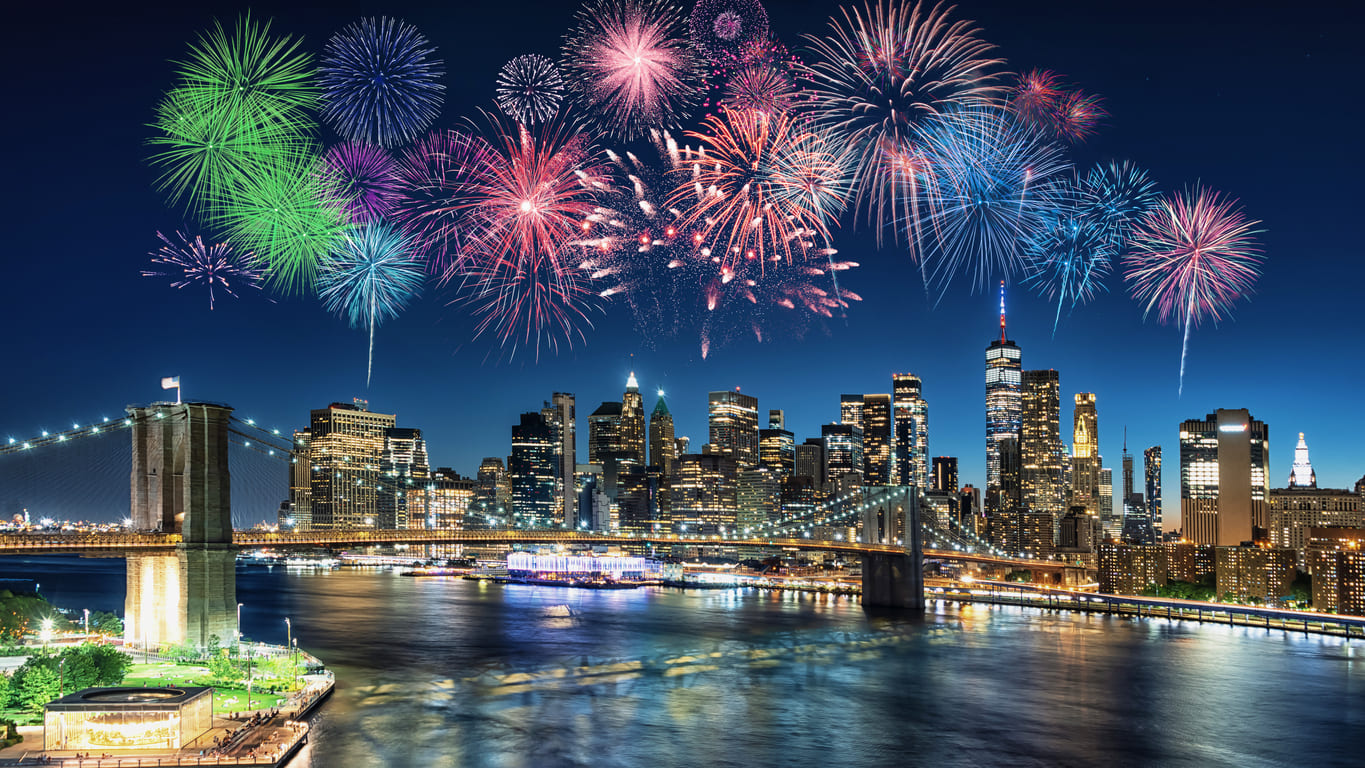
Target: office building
(759,497)
(1004,404)
(531,471)
(346,452)
(604,432)
(1224,486)
(912,430)
(777,418)
(945,474)
(733,418)
(843,451)
(663,445)
(300,488)
(442,502)
(1111,524)
(633,423)
(704,494)
(1004,502)
(798,496)
(810,461)
(1301,474)
(1041,450)
(877,440)
(1085,454)
(594,507)
(1137,525)
(403,468)
(777,450)
(851,410)
(1296,510)
(637,501)
(1151,474)
(492,495)
(559,414)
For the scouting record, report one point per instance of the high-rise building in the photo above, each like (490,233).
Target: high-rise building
(1301,474)
(1137,522)
(663,445)
(442,502)
(1110,523)
(1040,449)
(633,422)
(346,452)
(945,474)
(734,426)
(810,461)
(531,470)
(492,495)
(777,450)
(637,501)
(300,490)
(843,450)
(877,440)
(604,433)
(759,498)
(1151,473)
(1336,557)
(777,419)
(912,429)
(403,468)
(1004,406)
(704,494)
(559,414)
(1004,502)
(1294,511)
(851,410)
(1224,485)
(798,496)
(1085,454)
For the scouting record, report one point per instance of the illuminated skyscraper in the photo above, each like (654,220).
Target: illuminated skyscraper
(346,451)
(843,450)
(777,419)
(1223,477)
(945,474)
(404,468)
(912,430)
(1085,454)
(559,414)
(704,494)
(300,490)
(633,422)
(442,502)
(532,472)
(1111,524)
(1151,472)
(1137,521)
(1301,475)
(604,433)
(663,445)
(851,410)
(810,461)
(877,439)
(492,495)
(777,451)
(1004,407)
(1041,450)
(759,498)
(734,426)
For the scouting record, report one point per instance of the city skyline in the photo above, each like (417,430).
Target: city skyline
(247,351)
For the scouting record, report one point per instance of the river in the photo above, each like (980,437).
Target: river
(443,672)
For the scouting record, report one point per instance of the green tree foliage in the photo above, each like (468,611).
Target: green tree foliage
(106,623)
(36,688)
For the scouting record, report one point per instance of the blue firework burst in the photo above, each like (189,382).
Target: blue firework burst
(380,83)
(370,277)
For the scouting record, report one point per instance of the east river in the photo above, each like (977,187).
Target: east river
(442,672)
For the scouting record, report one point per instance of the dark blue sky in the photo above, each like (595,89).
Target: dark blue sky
(1261,102)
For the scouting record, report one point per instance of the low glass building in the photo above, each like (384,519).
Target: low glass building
(127,718)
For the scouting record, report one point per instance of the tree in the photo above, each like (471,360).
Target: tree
(38,687)
(106,623)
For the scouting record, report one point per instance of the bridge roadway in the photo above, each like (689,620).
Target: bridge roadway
(54,543)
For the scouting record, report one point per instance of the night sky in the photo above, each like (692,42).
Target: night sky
(1263,103)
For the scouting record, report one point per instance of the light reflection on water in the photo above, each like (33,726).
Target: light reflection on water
(443,672)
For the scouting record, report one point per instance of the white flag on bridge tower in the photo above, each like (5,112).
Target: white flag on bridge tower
(172,382)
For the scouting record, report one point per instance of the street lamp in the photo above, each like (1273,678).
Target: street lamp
(46,634)
(87,622)
(294,659)
(239,629)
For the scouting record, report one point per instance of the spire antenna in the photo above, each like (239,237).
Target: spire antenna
(1002,312)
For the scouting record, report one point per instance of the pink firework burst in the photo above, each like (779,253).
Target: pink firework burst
(1079,115)
(1037,95)
(1191,258)
(631,65)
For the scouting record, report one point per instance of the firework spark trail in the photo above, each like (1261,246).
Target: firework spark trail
(1042,100)
(210,265)
(630,65)
(527,205)
(1192,257)
(878,73)
(434,175)
(530,89)
(370,277)
(380,85)
(997,185)
(364,178)
(721,27)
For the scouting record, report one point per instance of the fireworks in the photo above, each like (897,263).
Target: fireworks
(363,178)
(1191,257)
(199,264)
(761,188)
(530,89)
(242,102)
(760,75)
(630,65)
(1117,195)
(526,207)
(434,176)
(996,186)
(282,214)
(878,73)
(370,277)
(723,26)
(380,85)
(1042,100)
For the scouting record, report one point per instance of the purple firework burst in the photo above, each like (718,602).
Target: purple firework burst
(192,262)
(364,178)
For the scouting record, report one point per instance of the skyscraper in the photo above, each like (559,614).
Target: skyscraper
(1110,523)
(877,439)
(777,450)
(1041,448)
(663,445)
(1301,475)
(777,419)
(1137,522)
(1004,408)
(704,494)
(810,461)
(843,450)
(1085,454)
(532,469)
(851,410)
(912,429)
(604,433)
(300,490)
(403,468)
(1223,477)
(492,494)
(1151,472)
(346,449)
(1004,503)
(559,414)
(759,498)
(734,426)
(945,474)
(633,422)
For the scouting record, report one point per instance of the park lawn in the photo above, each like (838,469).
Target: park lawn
(224,699)
(234,700)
